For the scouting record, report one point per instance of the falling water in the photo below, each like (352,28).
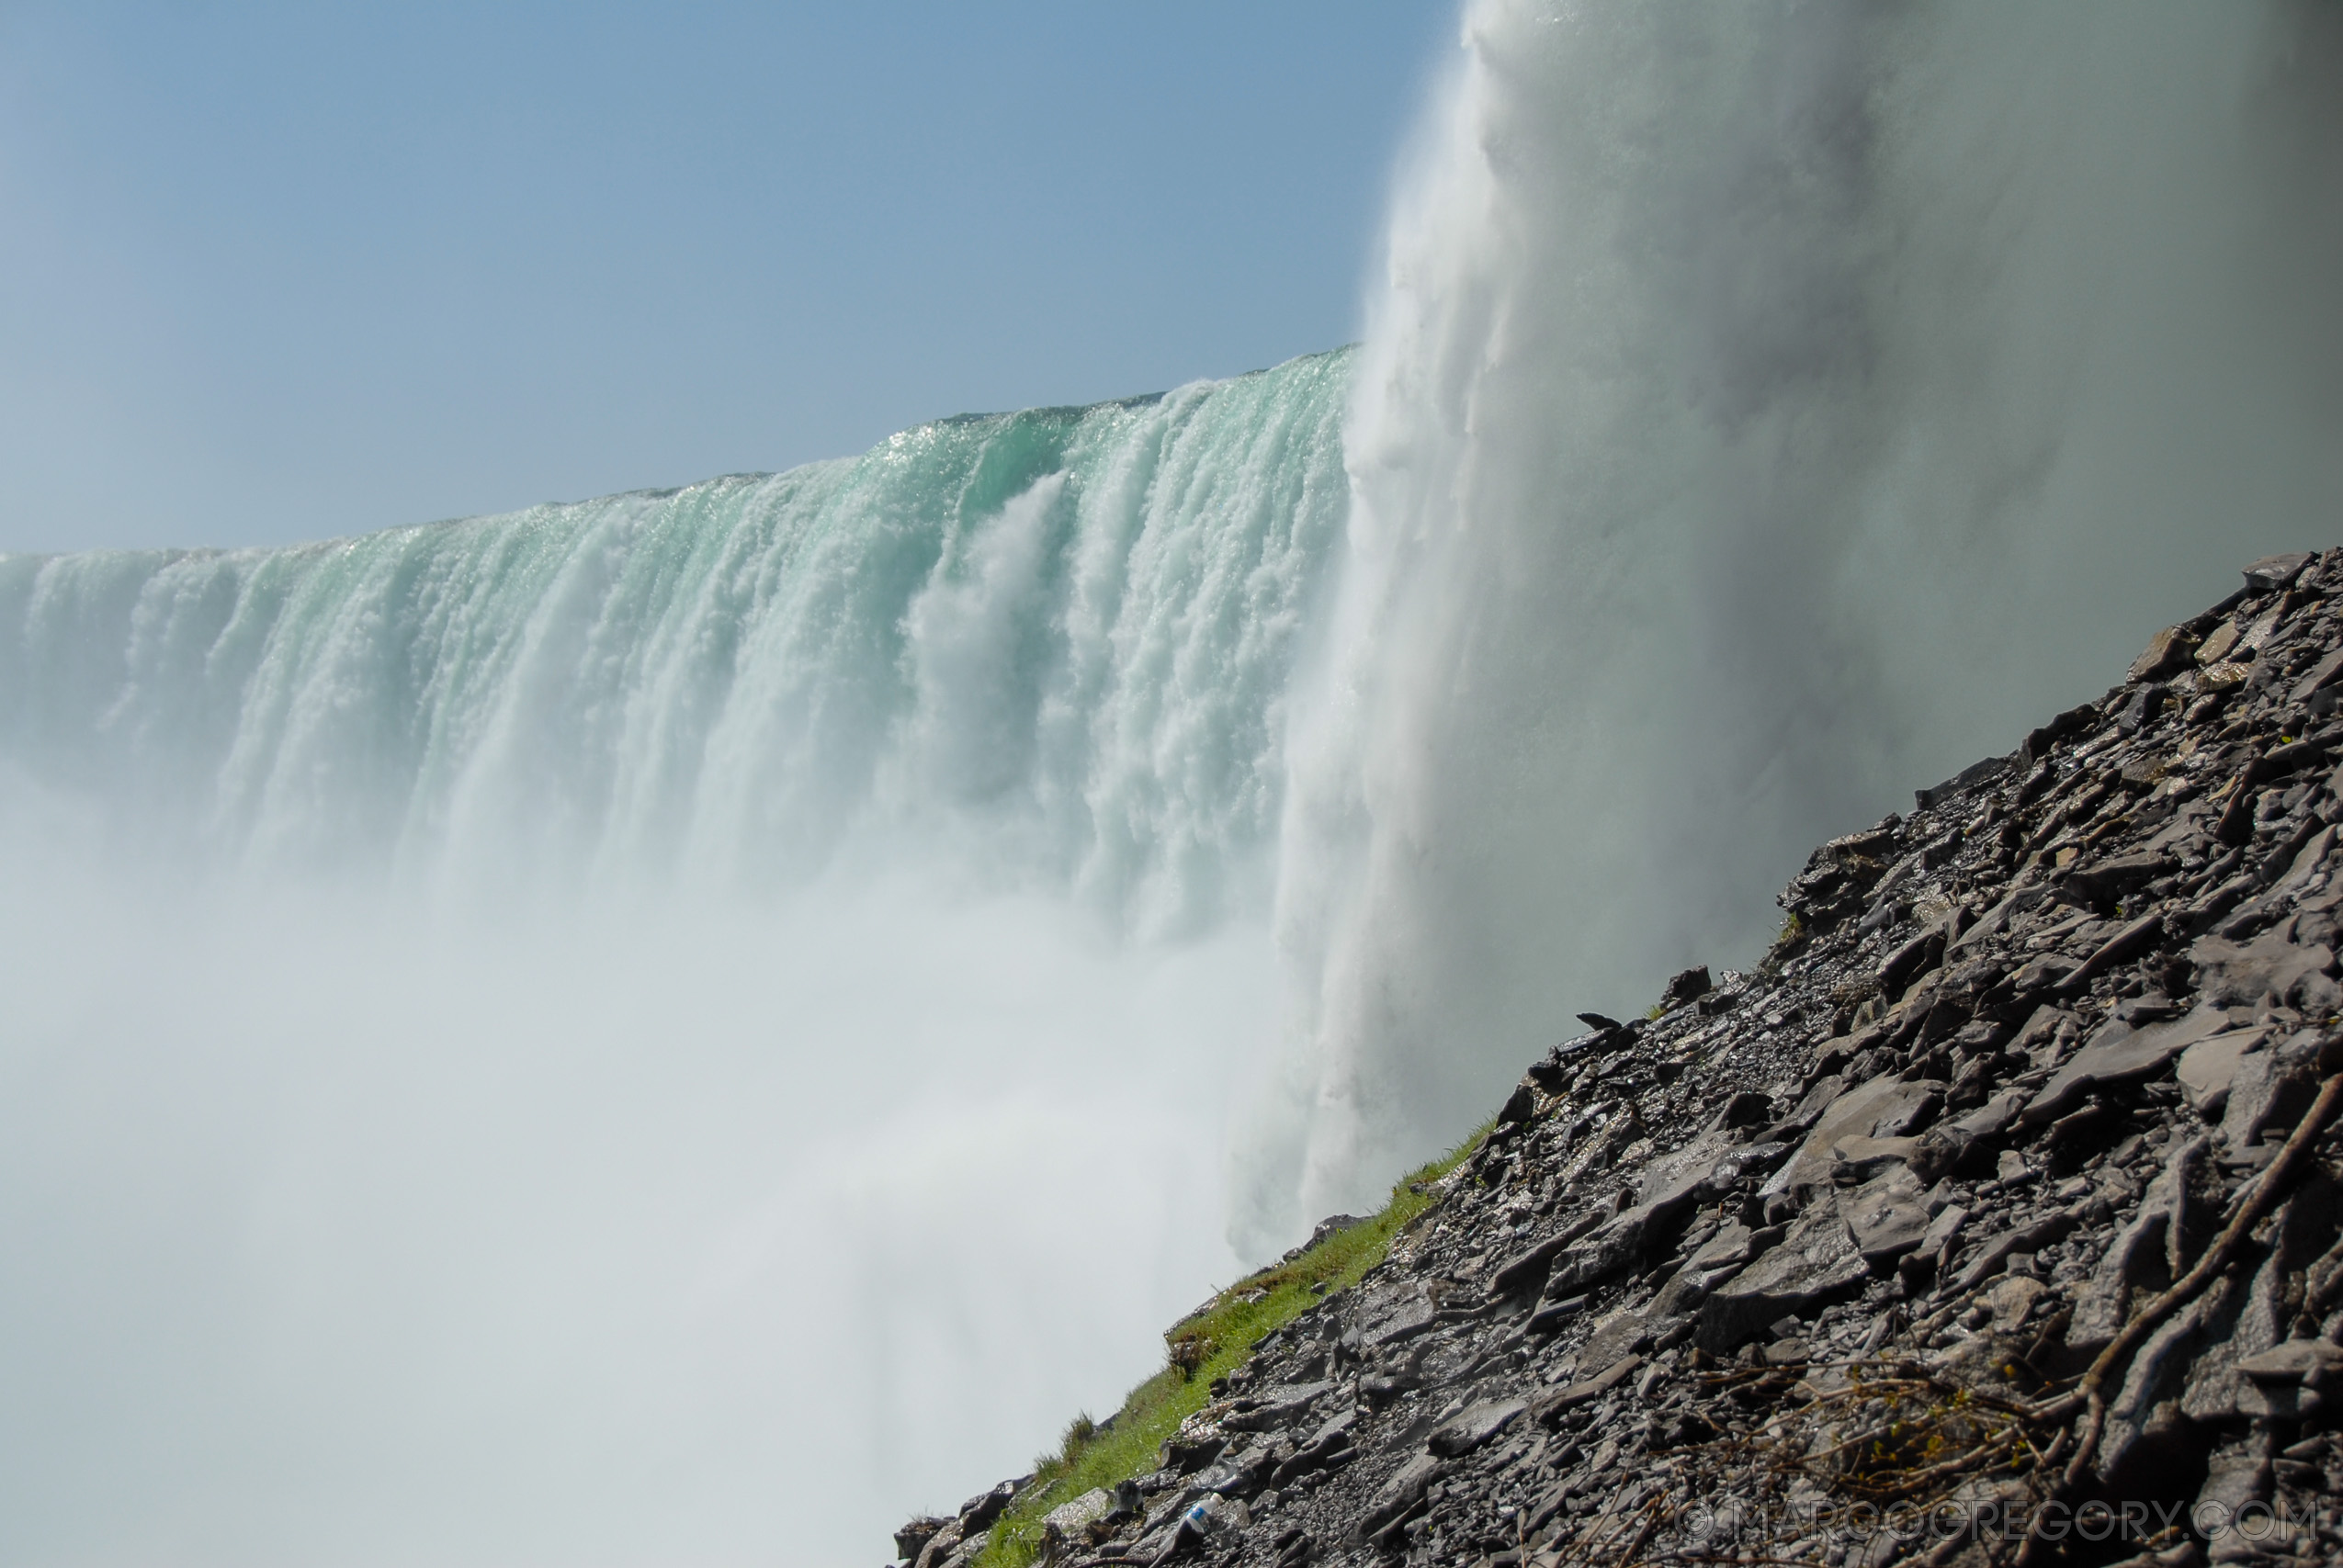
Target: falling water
(1765,409)
(675,1027)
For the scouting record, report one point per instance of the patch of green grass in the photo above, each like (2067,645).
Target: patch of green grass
(1786,942)
(1208,1345)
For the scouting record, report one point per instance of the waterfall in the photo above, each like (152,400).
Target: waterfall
(658,1030)
(676,1027)
(1058,637)
(1765,409)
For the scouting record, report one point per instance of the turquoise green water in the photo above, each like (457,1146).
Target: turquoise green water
(1059,638)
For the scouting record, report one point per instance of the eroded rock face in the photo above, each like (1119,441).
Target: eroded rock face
(2032,1045)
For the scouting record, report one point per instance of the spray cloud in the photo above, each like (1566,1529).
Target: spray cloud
(654,1029)
(1764,409)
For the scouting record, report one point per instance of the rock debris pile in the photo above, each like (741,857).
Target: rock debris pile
(1993,1217)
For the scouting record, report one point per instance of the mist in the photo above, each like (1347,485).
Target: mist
(354,1232)
(683,1027)
(677,1029)
(1765,411)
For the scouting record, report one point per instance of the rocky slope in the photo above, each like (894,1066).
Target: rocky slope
(1993,1217)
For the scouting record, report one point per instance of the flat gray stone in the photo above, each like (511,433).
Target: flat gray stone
(2292,1361)
(1943,1229)
(2244,974)
(1403,1323)
(2237,1475)
(1330,1444)
(2013,1299)
(1682,1294)
(2318,677)
(1527,1269)
(2117,1052)
(2168,652)
(2042,1029)
(1336,1432)
(1276,1408)
(2219,643)
(1997,1250)
(2206,1068)
(1862,1158)
(2024,893)
(2273,573)
(1473,1426)
(1235,1474)
(1622,1330)
(2118,875)
(1621,1240)
(1887,1216)
(1672,1180)
(1586,1391)
(2043,973)
(2125,944)
(2308,861)
(1749,1159)
(2136,1261)
(1827,1087)
(1614,1245)
(1065,1522)
(1908,1117)
(2269,1090)
(1854,1113)
(1995,1116)
(1815,1263)
(2221,1386)
(1729,1247)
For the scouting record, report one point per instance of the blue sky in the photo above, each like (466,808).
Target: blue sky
(270,272)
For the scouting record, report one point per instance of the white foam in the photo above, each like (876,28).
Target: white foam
(1766,410)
